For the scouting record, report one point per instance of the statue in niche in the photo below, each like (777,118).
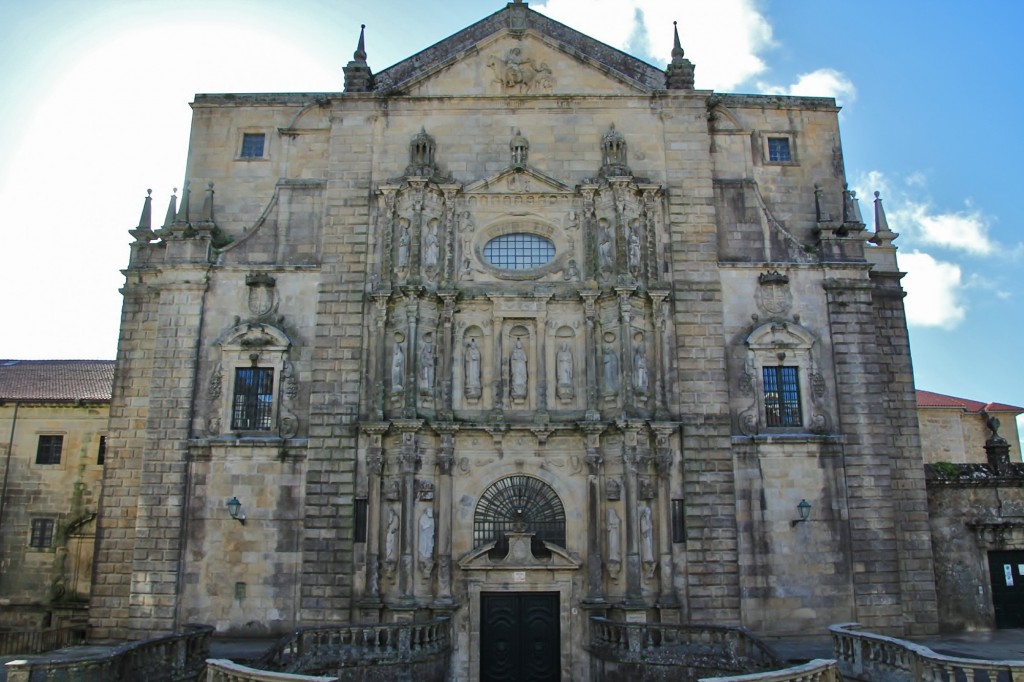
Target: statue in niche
(391,536)
(517,369)
(563,370)
(473,386)
(403,245)
(430,250)
(611,367)
(398,368)
(604,246)
(640,376)
(647,539)
(614,542)
(426,373)
(634,247)
(426,544)
(572,272)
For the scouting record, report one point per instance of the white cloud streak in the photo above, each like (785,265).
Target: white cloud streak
(819,83)
(934,291)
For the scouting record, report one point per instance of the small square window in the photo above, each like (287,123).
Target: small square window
(781,396)
(778,150)
(252,407)
(101,454)
(49,449)
(42,534)
(252,145)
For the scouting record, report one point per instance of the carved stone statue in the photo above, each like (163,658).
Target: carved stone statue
(426,368)
(634,248)
(604,246)
(640,376)
(390,536)
(611,368)
(572,272)
(563,371)
(517,369)
(426,544)
(403,245)
(614,537)
(646,537)
(430,250)
(473,386)
(398,369)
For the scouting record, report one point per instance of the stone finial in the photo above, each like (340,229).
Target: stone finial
(851,207)
(172,209)
(679,74)
(820,210)
(614,154)
(182,216)
(206,214)
(358,77)
(421,155)
(520,148)
(144,232)
(883,235)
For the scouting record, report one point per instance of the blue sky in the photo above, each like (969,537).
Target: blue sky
(94,106)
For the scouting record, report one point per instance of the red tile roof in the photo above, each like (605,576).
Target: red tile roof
(57,380)
(929,399)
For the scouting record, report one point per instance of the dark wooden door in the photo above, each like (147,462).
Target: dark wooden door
(519,637)
(1007,570)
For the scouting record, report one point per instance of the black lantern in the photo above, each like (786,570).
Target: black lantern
(236,511)
(804,509)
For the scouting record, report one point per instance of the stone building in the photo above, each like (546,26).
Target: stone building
(955,429)
(53,424)
(521,330)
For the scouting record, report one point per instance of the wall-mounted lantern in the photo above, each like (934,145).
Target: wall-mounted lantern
(804,509)
(236,511)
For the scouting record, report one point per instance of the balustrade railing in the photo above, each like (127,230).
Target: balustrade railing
(734,648)
(219,670)
(28,642)
(170,658)
(321,646)
(867,656)
(820,670)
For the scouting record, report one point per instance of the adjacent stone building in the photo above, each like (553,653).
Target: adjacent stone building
(521,330)
(955,429)
(53,425)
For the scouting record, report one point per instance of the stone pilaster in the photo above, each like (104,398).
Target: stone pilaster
(594,462)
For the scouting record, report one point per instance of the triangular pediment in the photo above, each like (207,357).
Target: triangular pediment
(517,51)
(518,179)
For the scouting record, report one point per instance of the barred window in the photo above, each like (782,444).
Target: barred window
(781,396)
(252,145)
(252,407)
(519,251)
(49,449)
(101,455)
(519,504)
(778,149)
(42,534)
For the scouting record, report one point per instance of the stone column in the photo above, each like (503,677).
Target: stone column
(408,464)
(592,349)
(418,189)
(374,469)
(448,271)
(591,266)
(411,355)
(626,347)
(498,363)
(379,367)
(386,231)
(658,313)
(446,353)
(630,463)
(663,459)
(445,462)
(540,375)
(594,460)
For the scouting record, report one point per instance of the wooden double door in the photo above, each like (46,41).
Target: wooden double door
(1007,571)
(520,638)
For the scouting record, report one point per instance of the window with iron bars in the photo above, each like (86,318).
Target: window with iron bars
(253,404)
(519,504)
(781,396)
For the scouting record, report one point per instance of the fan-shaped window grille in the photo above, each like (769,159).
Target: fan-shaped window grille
(519,251)
(519,504)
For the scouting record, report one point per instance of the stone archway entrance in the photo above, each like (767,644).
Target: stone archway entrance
(520,637)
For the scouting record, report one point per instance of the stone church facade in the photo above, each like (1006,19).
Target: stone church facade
(520,330)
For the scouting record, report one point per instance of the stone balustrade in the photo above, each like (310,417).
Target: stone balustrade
(639,651)
(819,670)
(317,649)
(876,658)
(26,642)
(221,670)
(170,658)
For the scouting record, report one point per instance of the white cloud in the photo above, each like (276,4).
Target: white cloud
(724,38)
(934,291)
(955,230)
(819,83)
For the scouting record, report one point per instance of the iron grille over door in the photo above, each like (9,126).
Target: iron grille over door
(519,504)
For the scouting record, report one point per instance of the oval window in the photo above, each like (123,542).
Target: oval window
(519,251)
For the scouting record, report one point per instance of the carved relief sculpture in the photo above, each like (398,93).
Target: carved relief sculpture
(390,538)
(614,543)
(563,368)
(517,369)
(647,540)
(426,368)
(426,544)
(634,248)
(473,388)
(518,73)
(430,250)
(611,366)
(641,379)
(403,245)
(604,247)
(398,368)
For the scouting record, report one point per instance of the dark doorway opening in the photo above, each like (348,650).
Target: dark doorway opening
(1007,571)
(520,638)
